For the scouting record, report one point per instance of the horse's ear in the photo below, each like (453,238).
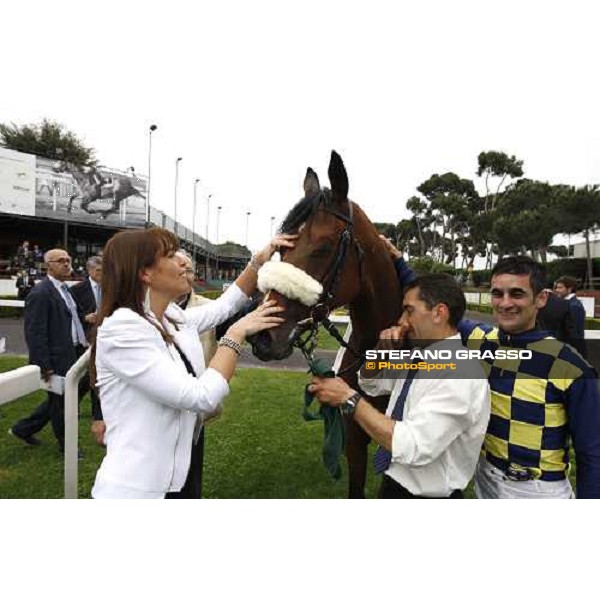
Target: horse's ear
(311,183)
(338,178)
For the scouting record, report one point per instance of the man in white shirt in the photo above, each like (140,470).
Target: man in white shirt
(431,435)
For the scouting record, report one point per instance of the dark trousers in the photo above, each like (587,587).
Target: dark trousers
(51,410)
(390,488)
(192,489)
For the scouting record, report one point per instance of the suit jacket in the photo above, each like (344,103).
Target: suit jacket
(48,329)
(86,304)
(557,317)
(578,318)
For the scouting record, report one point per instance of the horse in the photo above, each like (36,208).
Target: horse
(338,259)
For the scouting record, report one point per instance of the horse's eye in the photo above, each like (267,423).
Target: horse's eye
(321,252)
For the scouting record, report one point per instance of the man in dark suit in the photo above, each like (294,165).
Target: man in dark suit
(566,287)
(88,296)
(557,318)
(55,339)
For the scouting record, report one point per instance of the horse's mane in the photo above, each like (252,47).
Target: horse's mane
(303,210)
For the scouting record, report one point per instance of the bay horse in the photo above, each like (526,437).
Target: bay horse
(339,248)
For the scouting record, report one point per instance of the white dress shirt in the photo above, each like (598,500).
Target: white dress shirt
(96,292)
(150,401)
(58,285)
(436,446)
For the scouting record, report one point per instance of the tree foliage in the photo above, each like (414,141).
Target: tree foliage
(450,219)
(578,210)
(48,139)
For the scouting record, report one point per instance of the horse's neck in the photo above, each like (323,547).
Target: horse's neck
(372,312)
(379,304)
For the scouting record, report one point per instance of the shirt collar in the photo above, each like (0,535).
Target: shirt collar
(443,341)
(521,339)
(56,283)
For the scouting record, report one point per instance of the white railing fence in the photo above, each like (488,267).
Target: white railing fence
(25,380)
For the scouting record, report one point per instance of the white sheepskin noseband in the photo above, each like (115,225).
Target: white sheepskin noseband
(290,281)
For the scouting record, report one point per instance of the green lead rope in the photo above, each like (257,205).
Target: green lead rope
(335,434)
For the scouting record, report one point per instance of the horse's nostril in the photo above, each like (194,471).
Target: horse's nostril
(263,340)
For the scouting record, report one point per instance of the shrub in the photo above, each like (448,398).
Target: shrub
(426,264)
(481,277)
(212,294)
(575,267)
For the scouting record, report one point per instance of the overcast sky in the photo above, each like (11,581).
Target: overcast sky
(251,93)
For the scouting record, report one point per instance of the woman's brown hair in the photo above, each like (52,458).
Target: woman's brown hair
(125,256)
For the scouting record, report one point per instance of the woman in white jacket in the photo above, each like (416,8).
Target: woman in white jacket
(148,362)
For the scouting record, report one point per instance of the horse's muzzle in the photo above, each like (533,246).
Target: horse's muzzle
(264,348)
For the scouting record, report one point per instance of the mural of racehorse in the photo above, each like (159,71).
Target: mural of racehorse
(93,186)
(339,248)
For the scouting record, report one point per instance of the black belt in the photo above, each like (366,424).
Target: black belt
(514,472)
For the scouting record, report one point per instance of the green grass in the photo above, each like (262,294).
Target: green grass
(325,341)
(260,448)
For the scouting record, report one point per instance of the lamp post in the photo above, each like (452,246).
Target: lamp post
(176,180)
(247,222)
(272,225)
(207,218)
(196,182)
(217,243)
(150,131)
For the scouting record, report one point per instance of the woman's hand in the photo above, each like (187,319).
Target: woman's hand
(281,240)
(264,317)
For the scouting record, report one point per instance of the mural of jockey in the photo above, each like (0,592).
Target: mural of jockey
(90,194)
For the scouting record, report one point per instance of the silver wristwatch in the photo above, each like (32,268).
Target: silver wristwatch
(349,406)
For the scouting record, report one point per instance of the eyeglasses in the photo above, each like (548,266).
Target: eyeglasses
(62,261)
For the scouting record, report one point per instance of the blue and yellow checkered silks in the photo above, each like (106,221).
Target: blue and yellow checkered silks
(528,426)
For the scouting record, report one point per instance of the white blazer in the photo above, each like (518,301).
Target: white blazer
(149,401)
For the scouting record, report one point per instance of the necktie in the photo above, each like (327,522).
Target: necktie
(98,294)
(74,316)
(383,457)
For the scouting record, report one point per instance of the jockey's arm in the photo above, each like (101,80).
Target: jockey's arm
(405,274)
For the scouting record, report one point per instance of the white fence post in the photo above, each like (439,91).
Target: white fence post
(75,373)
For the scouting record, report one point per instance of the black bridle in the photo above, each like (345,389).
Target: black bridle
(304,334)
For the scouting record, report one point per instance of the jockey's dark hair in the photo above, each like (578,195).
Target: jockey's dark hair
(522,265)
(440,288)
(303,210)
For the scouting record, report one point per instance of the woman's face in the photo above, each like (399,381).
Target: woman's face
(168,277)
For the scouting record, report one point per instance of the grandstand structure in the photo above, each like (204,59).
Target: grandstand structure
(55,205)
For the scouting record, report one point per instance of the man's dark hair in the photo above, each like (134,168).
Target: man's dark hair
(441,288)
(522,265)
(569,282)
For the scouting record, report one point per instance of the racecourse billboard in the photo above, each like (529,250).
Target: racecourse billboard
(41,187)
(17,182)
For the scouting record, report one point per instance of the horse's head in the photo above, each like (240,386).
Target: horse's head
(323,269)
